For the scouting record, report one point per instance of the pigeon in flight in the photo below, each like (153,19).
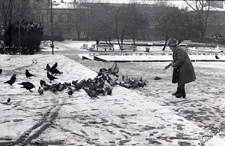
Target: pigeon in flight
(48,67)
(12,80)
(53,68)
(56,71)
(51,77)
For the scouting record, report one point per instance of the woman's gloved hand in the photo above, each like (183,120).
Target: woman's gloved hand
(166,67)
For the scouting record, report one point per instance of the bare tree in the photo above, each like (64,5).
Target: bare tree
(173,22)
(121,17)
(201,10)
(105,24)
(79,16)
(12,10)
(137,22)
(166,21)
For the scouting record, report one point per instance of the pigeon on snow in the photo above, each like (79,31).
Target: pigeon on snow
(11,80)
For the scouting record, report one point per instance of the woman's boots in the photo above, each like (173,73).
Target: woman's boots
(180,92)
(177,92)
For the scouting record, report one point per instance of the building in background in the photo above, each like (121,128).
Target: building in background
(68,20)
(71,19)
(216,23)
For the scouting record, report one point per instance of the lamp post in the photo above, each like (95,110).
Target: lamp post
(2,38)
(10,23)
(3,31)
(52,45)
(19,24)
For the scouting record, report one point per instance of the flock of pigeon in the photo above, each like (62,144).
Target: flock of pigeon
(102,84)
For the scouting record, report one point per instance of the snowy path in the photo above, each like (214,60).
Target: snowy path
(128,117)
(123,118)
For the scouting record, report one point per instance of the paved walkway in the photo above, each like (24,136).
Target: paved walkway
(205,96)
(124,118)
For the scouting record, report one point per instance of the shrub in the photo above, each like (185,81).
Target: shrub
(31,34)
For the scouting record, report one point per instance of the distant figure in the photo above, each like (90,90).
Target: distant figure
(179,41)
(216,57)
(97,41)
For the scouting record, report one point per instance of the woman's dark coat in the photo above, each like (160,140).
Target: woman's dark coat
(183,63)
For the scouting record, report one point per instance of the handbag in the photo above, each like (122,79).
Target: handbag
(175,77)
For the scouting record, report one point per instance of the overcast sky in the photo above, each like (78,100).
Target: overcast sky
(178,3)
(126,1)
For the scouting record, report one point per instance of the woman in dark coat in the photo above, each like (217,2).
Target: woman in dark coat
(183,69)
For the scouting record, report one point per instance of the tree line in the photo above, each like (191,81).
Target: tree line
(157,22)
(112,21)
(18,31)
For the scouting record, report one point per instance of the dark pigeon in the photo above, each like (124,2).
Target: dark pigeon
(12,80)
(40,91)
(70,91)
(28,74)
(217,57)
(27,85)
(53,68)
(51,77)
(91,93)
(56,71)
(42,83)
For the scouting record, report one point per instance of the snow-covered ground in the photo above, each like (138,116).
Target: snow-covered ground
(127,117)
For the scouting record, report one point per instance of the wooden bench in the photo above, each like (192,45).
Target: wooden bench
(105,46)
(128,47)
(92,47)
(85,46)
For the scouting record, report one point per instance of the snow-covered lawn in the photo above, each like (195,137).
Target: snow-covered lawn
(144,116)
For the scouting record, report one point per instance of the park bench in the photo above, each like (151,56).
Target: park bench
(85,46)
(105,46)
(46,43)
(128,47)
(92,47)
